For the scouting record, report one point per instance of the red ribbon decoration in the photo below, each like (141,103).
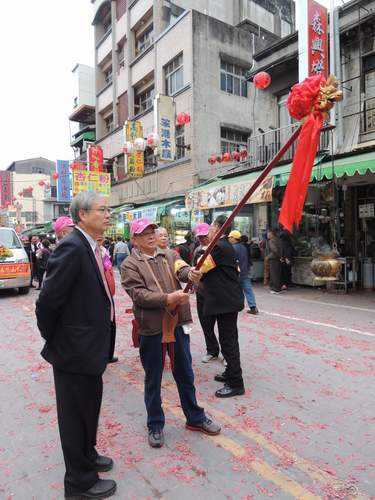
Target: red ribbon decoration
(296,190)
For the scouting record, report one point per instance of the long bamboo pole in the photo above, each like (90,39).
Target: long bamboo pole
(242,202)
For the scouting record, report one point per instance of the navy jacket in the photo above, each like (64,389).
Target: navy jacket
(73,310)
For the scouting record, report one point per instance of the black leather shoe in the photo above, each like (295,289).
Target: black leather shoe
(103,488)
(103,464)
(229,392)
(114,359)
(221,377)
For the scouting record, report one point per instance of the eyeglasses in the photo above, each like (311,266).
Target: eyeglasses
(101,209)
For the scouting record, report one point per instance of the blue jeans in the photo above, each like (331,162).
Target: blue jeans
(120,257)
(150,351)
(248,290)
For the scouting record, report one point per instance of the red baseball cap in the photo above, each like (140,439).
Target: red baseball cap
(139,225)
(202,229)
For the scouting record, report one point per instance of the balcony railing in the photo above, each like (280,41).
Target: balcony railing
(263,147)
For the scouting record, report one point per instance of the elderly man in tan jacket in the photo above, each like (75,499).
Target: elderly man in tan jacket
(151,277)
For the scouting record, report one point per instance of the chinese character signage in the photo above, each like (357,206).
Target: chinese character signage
(317,39)
(63,181)
(229,195)
(95,158)
(5,188)
(77,165)
(98,182)
(135,163)
(165,127)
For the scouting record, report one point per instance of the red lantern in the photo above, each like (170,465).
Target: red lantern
(30,189)
(153,140)
(183,118)
(235,156)
(41,183)
(243,154)
(227,157)
(262,80)
(20,193)
(212,159)
(55,175)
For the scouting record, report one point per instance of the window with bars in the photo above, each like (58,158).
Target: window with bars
(232,140)
(233,79)
(143,100)
(180,142)
(108,75)
(143,41)
(108,121)
(174,75)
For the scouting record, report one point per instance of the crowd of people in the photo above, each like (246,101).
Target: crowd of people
(77,319)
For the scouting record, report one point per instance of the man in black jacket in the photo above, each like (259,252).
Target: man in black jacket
(74,312)
(223,298)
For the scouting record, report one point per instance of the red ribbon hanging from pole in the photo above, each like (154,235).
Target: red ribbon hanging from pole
(296,190)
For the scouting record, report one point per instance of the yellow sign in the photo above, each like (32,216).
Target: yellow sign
(135,163)
(98,182)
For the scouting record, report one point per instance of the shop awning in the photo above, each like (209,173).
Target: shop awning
(349,166)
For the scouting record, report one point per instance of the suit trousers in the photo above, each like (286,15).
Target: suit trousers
(228,338)
(208,327)
(78,399)
(275,274)
(150,351)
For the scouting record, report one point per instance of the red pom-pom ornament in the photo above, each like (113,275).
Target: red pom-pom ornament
(183,119)
(262,80)
(303,97)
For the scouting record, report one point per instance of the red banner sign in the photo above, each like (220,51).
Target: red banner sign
(14,271)
(95,159)
(5,188)
(318,39)
(77,165)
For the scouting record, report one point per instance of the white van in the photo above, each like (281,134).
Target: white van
(15,269)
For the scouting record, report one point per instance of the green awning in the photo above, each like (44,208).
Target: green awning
(85,136)
(349,166)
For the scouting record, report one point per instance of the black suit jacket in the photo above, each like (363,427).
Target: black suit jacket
(222,289)
(73,310)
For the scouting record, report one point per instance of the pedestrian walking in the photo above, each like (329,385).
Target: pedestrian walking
(151,278)
(120,252)
(242,254)
(63,226)
(207,322)
(274,259)
(223,299)
(42,256)
(74,313)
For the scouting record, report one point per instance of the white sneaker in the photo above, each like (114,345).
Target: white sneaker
(207,358)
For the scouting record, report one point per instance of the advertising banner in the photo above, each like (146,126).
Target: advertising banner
(135,163)
(95,160)
(6,195)
(63,181)
(91,181)
(317,39)
(14,270)
(229,195)
(165,126)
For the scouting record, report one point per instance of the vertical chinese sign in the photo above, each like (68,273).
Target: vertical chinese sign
(165,126)
(135,163)
(63,181)
(95,158)
(317,39)
(5,189)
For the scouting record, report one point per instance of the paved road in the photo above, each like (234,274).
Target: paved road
(305,428)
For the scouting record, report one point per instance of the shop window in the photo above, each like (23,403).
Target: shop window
(143,101)
(180,142)
(174,76)
(233,79)
(232,140)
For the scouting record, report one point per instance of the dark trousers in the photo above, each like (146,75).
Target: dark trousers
(150,351)
(208,327)
(78,400)
(228,337)
(275,274)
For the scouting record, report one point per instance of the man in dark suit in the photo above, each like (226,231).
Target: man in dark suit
(223,300)
(75,312)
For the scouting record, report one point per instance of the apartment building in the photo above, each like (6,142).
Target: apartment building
(198,52)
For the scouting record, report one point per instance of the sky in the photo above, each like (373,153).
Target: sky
(40,43)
